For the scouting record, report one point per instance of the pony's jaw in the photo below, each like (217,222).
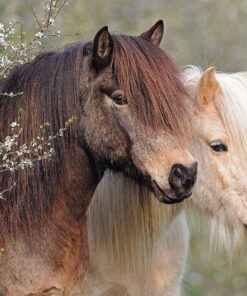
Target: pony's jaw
(226,216)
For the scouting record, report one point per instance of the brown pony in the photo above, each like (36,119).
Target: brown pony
(131,107)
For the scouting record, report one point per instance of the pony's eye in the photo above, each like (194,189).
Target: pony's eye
(218,146)
(118,98)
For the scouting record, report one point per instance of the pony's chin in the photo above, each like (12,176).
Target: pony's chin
(163,197)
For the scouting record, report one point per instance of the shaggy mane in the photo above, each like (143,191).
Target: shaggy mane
(50,94)
(126,223)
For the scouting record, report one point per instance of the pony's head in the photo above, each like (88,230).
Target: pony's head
(220,122)
(134,117)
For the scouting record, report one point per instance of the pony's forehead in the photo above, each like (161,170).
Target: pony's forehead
(211,126)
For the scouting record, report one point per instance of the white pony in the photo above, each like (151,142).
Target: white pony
(138,247)
(220,121)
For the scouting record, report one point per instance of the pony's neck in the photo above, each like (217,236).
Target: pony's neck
(75,191)
(78,184)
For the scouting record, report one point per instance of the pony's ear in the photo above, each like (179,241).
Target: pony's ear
(102,48)
(208,85)
(155,33)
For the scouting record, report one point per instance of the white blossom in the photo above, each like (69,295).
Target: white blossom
(5,61)
(2,41)
(51,20)
(13,124)
(39,34)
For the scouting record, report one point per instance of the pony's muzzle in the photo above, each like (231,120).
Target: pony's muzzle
(182,179)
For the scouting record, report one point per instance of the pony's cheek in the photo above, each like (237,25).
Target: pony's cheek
(138,158)
(223,178)
(231,176)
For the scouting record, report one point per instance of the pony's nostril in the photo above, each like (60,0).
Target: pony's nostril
(182,178)
(177,176)
(176,179)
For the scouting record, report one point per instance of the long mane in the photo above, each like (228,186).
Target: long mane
(50,94)
(126,224)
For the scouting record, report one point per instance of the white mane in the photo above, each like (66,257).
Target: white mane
(233,109)
(137,246)
(192,74)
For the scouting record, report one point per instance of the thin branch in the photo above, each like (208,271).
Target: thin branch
(35,16)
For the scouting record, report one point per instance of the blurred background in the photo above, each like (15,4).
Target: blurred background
(199,32)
